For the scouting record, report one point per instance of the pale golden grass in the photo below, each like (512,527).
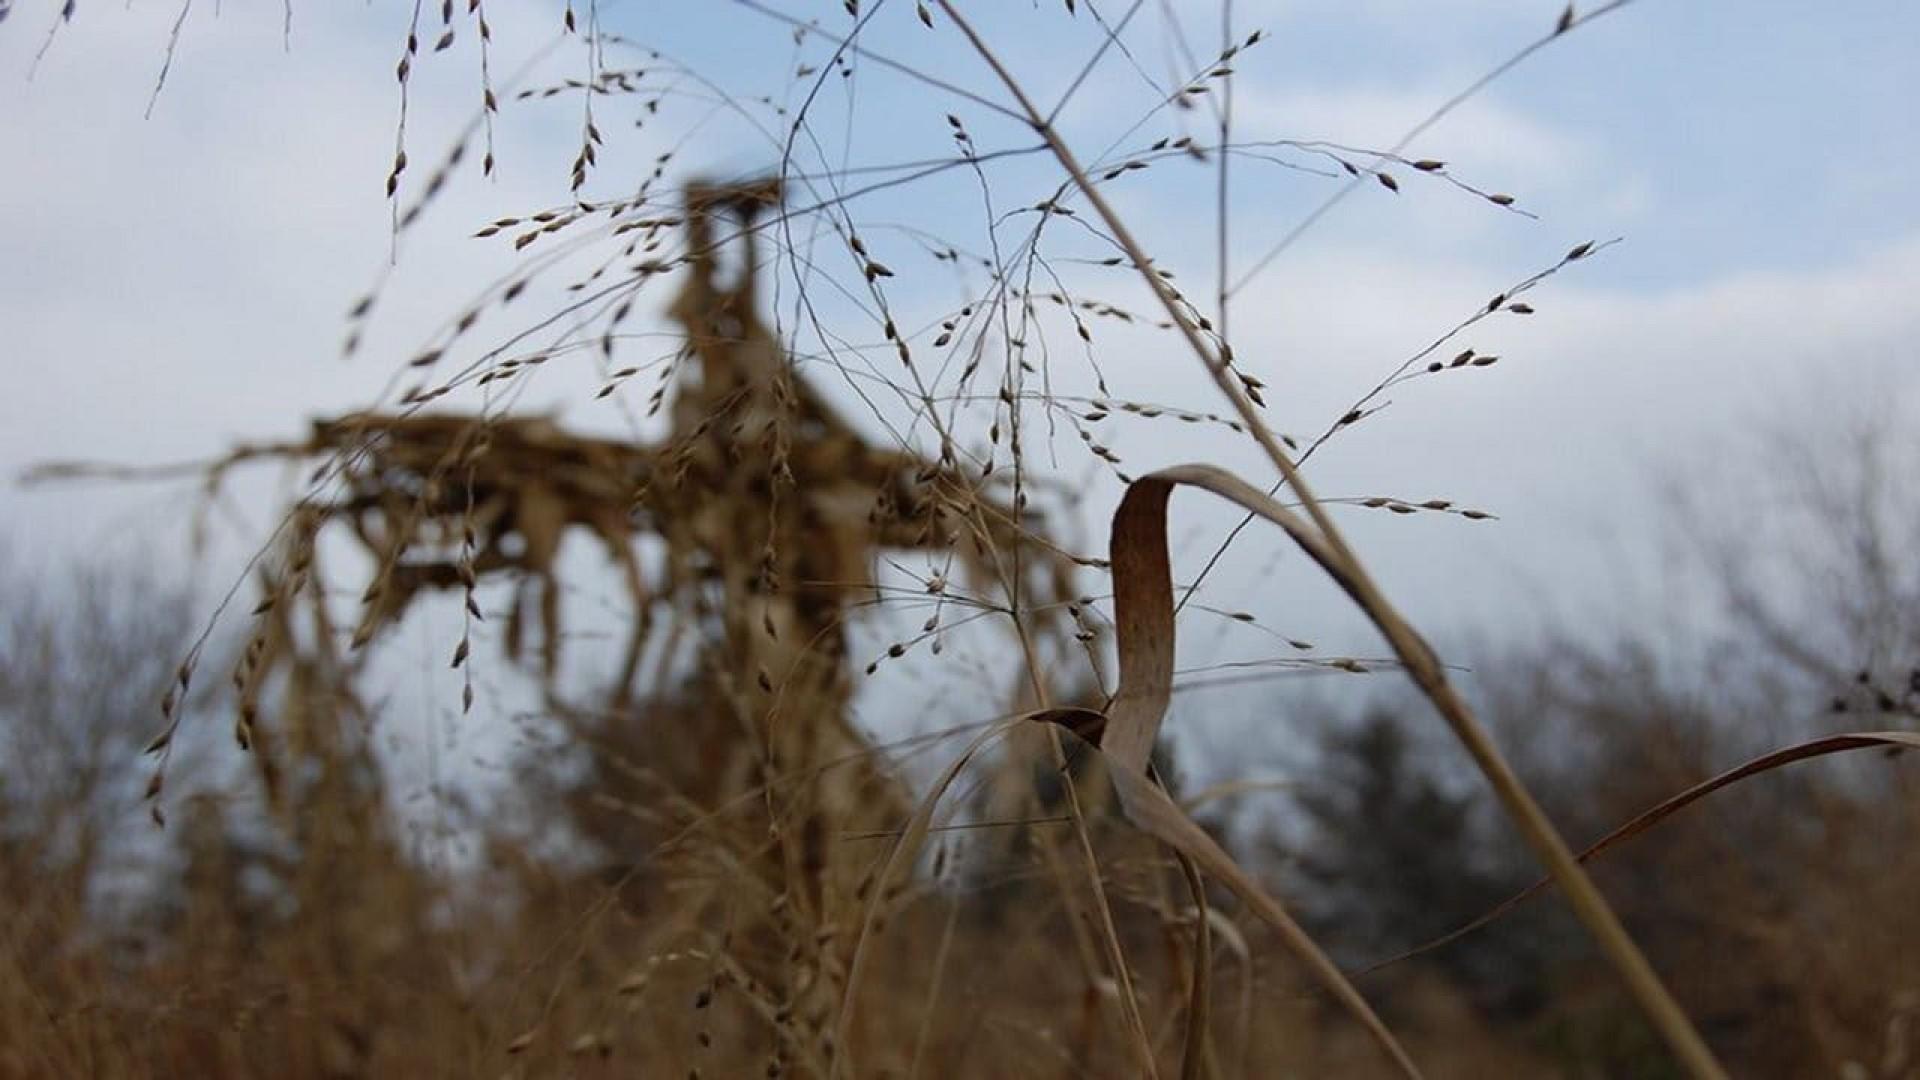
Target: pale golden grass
(751,887)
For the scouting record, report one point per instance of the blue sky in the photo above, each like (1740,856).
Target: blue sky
(176,283)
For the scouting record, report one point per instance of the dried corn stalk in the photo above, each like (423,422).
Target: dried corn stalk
(772,509)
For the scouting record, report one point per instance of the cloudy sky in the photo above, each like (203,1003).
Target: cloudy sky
(175,269)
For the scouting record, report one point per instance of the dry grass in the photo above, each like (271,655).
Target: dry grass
(747,882)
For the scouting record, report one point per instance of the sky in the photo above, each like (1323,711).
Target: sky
(176,267)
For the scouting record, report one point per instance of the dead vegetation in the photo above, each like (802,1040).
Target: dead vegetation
(748,884)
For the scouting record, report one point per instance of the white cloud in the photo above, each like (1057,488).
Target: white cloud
(1492,142)
(178,283)
(1599,399)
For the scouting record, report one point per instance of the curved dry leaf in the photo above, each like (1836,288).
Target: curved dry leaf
(1654,815)
(1141,520)
(1144,620)
(1143,595)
